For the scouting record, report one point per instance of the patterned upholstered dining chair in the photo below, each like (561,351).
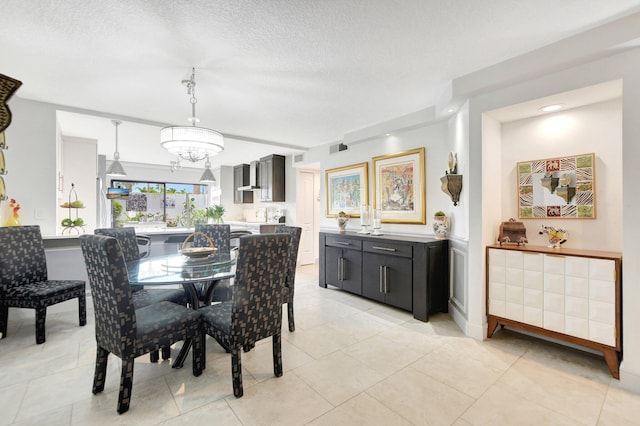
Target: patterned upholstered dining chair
(24,281)
(141,296)
(220,234)
(292,259)
(127,331)
(255,310)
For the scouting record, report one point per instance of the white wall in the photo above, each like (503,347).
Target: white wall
(79,160)
(31,162)
(594,128)
(434,137)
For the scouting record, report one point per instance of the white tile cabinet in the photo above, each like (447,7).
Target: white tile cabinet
(566,294)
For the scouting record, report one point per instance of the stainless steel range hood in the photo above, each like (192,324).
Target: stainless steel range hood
(254,173)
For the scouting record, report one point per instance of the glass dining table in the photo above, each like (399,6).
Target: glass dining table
(198,275)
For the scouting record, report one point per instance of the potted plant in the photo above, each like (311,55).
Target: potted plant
(342,219)
(215,212)
(440,226)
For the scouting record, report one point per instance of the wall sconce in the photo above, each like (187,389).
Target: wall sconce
(451,181)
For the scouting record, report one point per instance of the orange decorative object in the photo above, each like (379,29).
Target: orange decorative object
(14,218)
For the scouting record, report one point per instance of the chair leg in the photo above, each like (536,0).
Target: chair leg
(4,321)
(41,316)
(276,340)
(154,356)
(292,323)
(100,373)
(82,309)
(197,352)
(236,372)
(126,383)
(166,353)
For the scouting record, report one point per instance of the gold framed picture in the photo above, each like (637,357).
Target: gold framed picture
(400,186)
(347,189)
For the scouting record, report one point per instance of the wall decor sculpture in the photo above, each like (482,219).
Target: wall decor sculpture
(562,187)
(399,186)
(8,86)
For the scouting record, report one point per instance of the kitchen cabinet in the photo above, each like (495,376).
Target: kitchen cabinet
(241,175)
(271,172)
(408,272)
(570,295)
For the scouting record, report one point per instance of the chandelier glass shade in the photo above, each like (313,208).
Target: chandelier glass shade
(191,143)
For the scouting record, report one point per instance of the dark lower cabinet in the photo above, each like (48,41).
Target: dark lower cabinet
(410,273)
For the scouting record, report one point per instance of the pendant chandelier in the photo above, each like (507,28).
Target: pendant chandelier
(116,169)
(192,143)
(207,176)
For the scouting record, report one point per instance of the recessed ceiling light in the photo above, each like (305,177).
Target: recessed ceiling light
(450,110)
(551,108)
(388,134)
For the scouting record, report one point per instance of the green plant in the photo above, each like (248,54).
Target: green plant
(342,214)
(117,208)
(215,212)
(439,213)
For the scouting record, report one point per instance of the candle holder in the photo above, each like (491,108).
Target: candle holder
(365,218)
(377,222)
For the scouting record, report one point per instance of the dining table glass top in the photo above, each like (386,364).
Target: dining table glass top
(179,269)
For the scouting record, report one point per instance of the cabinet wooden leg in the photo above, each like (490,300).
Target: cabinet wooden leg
(612,358)
(491,328)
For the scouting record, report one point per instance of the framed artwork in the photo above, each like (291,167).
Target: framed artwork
(347,188)
(562,187)
(399,186)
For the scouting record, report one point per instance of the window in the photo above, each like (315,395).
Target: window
(160,204)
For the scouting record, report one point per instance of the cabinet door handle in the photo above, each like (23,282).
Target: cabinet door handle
(383,248)
(386,279)
(343,243)
(381,278)
(339,269)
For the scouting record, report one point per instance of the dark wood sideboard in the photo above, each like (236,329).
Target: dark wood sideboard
(408,272)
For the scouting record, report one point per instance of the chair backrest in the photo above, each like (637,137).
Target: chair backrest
(115,315)
(22,257)
(292,254)
(220,234)
(258,286)
(126,237)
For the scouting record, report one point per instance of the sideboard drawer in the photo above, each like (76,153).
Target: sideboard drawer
(389,248)
(348,243)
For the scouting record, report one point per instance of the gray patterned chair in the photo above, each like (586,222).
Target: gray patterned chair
(292,259)
(255,310)
(141,296)
(220,234)
(129,243)
(24,281)
(127,331)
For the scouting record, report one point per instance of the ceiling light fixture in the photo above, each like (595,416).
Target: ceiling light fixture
(116,169)
(207,176)
(192,143)
(552,108)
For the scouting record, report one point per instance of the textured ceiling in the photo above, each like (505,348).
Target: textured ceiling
(295,72)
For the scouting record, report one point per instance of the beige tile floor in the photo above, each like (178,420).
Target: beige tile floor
(351,361)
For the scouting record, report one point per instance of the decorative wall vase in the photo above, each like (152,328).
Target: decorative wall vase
(556,236)
(8,86)
(440,227)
